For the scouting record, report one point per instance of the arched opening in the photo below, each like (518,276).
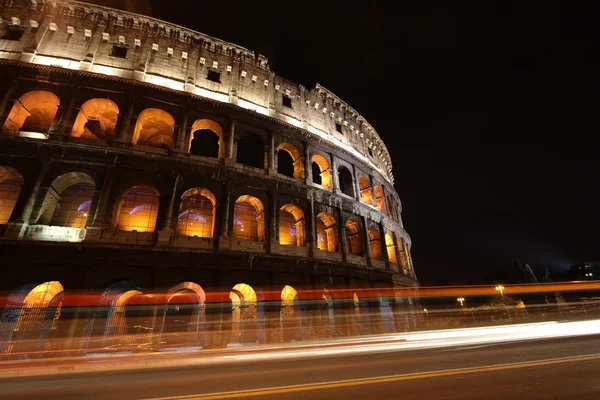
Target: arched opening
(345,180)
(184,315)
(327,239)
(30,317)
(248,219)
(116,324)
(196,213)
(97,119)
(354,238)
(288,295)
(206,138)
(321,174)
(251,150)
(365,190)
(375,243)
(68,200)
(11,182)
(291,225)
(138,209)
(390,244)
(379,199)
(289,162)
(243,306)
(154,128)
(33,112)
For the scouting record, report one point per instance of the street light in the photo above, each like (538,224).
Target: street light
(500,288)
(461,300)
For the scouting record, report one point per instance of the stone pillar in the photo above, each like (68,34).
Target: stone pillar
(310,226)
(335,184)
(384,253)
(93,207)
(366,241)
(4,109)
(182,143)
(223,209)
(63,124)
(167,229)
(229,160)
(307,165)
(126,134)
(271,158)
(341,227)
(373,195)
(357,193)
(17,228)
(99,218)
(273,218)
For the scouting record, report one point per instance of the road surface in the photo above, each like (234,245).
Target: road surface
(565,368)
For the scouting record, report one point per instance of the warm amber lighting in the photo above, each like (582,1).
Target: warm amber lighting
(327,239)
(197,141)
(11,182)
(379,198)
(242,294)
(97,119)
(461,300)
(248,219)
(375,243)
(390,244)
(196,213)
(324,170)
(291,225)
(354,237)
(296,158)
(500,289)
(138,209)
(154,128)
(365,190)
(33,112)
(71,211)
(288,295)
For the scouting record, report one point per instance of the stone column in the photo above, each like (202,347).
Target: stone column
(373,194)
(366,241)
(63,124)
(335,184)
(384,253)
(182,143)
(126,134)
(357,193)
(310,226)
(307,165)
(166,231)
(229,160)
(273,219)
(341,227)
(97,218)
(93,207)
(223,209)
(271,159)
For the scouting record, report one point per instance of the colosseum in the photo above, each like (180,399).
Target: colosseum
(138,155)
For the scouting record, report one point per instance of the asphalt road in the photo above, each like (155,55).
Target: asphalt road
(543,369)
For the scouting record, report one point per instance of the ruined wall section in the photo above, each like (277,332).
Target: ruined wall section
(86,37)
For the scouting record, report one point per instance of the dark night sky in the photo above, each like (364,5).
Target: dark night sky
(490,112)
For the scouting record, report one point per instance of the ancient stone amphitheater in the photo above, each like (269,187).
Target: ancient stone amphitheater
(136,154)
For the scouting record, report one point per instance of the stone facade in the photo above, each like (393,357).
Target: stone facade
(110,101)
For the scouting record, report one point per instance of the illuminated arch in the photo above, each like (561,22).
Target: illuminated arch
(188,286)
(138,209)
(97,119)
(365,190)
(289,160)
(345,180)
(288,295)
(320,164)
(196,213)
(11,182)
(68,200)
(116,323)
(379,198)
(375,243)
(390,244)
(354,237)
(248,219)
(327,238)
(291,225)
(33,112)
(242,295)
(30,316)
(203,141)
(184,312)
(154,128)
